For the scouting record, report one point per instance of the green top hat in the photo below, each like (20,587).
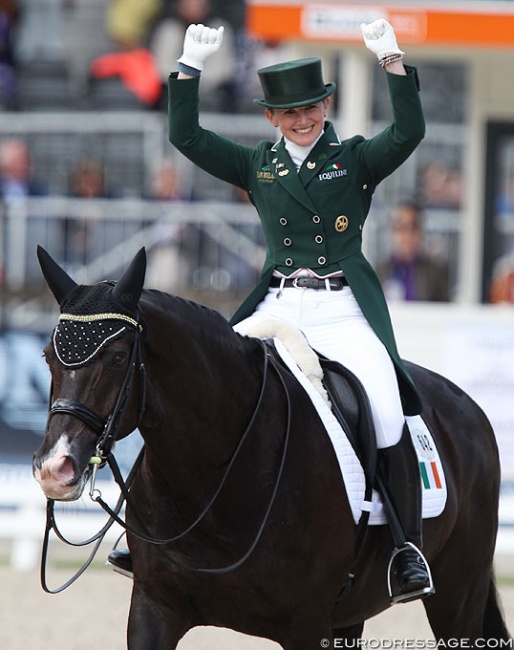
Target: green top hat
(292,84)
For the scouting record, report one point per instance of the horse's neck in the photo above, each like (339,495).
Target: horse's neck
(201,400)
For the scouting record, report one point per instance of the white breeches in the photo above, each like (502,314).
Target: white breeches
(334,325)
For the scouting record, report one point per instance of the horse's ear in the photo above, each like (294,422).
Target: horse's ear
(128,289)
(57,279)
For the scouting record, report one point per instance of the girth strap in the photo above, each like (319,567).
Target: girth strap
(80,411)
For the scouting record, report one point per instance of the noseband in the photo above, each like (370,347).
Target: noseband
(80,411)
(106,429)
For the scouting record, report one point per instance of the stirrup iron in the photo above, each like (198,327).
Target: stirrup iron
(411,595)
(122,567)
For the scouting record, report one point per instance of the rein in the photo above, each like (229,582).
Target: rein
(51,524)
(106,429)
(144,533)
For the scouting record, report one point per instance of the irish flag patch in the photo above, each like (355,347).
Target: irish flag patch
(430,475)
(430,467)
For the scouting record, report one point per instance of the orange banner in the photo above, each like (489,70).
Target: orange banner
(340,22)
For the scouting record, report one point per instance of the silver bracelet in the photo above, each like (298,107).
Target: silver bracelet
(391,58)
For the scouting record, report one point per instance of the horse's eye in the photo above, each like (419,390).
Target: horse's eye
(117,360)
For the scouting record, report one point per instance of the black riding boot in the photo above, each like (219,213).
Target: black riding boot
(398,470)
(121,561)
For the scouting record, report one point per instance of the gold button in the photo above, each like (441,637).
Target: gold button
(341,223)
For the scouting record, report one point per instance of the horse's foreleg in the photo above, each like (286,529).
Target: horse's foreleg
(461,573)
(151,627)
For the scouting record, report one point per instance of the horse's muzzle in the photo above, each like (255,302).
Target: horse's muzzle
(58,474)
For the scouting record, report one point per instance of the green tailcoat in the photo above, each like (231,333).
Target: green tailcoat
(312,218)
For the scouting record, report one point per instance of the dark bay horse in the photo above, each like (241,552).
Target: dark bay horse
(238,468)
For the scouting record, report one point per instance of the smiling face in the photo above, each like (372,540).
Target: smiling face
(301,125)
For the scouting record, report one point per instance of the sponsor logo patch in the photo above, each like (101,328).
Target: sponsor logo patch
(333,171)
(265,175)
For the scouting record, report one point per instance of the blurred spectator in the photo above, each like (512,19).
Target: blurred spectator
(134,69)
(127,77)
(129,21)
(169,263)
(86,182)
(502,284)
(166,44)
(504,205)
(9,16)
(410,273)
(17,183)
(441,186)
(16,174)
(166,184)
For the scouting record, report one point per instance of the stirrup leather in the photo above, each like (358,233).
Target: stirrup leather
(411,595)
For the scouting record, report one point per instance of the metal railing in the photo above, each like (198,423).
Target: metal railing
(211,243)
(192,248)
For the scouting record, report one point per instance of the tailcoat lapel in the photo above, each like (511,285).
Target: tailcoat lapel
(294,182)
(328,146)
(285,172)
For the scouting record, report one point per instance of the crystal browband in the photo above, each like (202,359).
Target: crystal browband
(78,338)
(89,318)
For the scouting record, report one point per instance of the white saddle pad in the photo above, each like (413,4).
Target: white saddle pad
(431,470)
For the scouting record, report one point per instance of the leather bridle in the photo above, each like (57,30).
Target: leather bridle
(107,428)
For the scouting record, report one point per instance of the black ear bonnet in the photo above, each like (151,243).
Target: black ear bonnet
(92,316)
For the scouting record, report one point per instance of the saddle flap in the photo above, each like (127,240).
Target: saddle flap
(350,405)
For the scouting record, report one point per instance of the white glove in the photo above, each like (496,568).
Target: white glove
(380,38)
(199,43)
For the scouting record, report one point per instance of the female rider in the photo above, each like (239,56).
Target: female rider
(313,192)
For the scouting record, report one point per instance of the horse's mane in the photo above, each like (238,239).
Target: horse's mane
(199,318)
